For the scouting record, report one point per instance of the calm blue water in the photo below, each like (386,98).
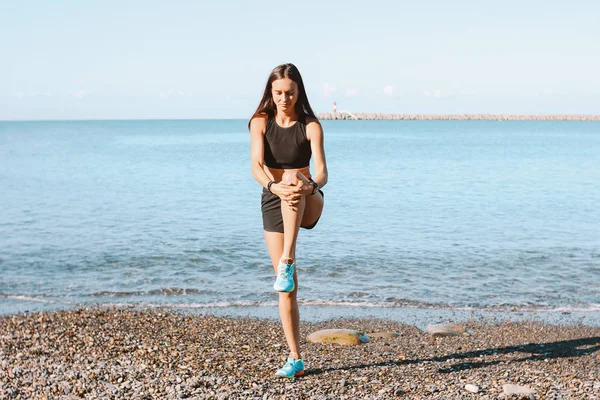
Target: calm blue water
(450,214)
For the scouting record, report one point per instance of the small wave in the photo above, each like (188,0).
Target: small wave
(218,304)
(396,303)
(359,294)
(31,298)
(587,308)
(408,303)
(162,291)
(368,304)
(250,303)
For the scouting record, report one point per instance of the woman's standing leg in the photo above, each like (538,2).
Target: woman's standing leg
(288,306)
(288,302)
(282,246)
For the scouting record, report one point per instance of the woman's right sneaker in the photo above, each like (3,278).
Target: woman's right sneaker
(285,276)
(291,369)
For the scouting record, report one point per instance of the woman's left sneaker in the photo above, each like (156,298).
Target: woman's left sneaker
(292,368)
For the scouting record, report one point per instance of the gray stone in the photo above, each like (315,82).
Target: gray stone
(437,330)
(432,388)
(109,385)
(510,389)
(471,388)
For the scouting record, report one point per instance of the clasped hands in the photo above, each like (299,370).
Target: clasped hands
(291,192)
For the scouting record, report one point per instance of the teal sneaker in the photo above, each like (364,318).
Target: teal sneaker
(285,276)
(292,368)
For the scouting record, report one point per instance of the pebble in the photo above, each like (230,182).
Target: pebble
(510,389)
(437,330)
(471,388)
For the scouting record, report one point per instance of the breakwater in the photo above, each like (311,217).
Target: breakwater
(423,117)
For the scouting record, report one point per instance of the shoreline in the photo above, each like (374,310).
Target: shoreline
(142,354)
(416,316)
(346,115)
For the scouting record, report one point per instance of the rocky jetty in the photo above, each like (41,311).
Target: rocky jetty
(113,353)
(458,117)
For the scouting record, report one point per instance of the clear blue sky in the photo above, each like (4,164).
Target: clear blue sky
(210,59)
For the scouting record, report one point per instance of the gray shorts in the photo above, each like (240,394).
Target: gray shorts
(270,205)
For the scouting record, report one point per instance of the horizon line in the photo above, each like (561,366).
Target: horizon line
(322,115)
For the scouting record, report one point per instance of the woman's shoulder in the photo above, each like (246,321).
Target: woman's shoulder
(313,127)
(259,121)
(312,122)
(258,124)
(310,119)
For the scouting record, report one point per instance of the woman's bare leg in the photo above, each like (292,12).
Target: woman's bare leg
(282,246)
(291,218)
(288,304)
(291,226)
(313,203)
(312,209)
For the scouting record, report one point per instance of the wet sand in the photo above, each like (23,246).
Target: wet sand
(124,353)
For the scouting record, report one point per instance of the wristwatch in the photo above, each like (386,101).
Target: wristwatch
(315,187)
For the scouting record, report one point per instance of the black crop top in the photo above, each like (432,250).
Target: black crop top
(286,148)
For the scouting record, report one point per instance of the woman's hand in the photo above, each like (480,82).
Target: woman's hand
(291,193)
(304,185)
(287,192)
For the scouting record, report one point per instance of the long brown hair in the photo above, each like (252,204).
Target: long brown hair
(267,106)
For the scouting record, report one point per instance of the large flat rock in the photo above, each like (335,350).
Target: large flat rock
(340,336)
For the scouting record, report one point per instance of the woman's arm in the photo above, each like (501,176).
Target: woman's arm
(314,132)
(257,158)
(257,151)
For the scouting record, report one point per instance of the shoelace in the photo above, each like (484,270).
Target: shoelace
(285,274)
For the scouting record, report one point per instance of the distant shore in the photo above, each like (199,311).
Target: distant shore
(345,115)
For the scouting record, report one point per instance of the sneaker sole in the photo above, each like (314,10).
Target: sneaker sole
(286,291)
(299,373)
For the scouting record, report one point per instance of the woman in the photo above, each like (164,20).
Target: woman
(285,134)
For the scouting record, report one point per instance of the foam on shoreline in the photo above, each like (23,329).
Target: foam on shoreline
(416,316)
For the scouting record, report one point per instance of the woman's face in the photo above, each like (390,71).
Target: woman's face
(285,94)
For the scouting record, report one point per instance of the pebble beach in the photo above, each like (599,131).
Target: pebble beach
(127,353)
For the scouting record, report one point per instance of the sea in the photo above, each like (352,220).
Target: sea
(453,216)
